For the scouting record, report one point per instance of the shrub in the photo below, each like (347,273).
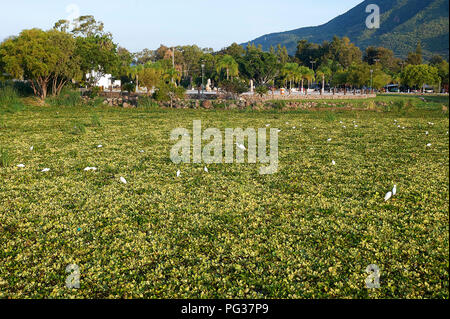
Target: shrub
(234,87)
(169,92)
(147,102)
(129,87)
(262,90)
(66,98)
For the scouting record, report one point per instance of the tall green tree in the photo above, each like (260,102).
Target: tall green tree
(41,57)
(229,64)
(419,75)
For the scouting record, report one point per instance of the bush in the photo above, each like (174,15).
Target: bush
(9,100)
(262,90)
(234,87)
(129,87)
(169,92)
(147,103)
(66,98)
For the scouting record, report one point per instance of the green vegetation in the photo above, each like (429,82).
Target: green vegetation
(9,100)
(308,231)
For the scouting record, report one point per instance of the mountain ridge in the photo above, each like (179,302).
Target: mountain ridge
(403,24)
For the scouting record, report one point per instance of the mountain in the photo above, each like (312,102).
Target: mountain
(403,24)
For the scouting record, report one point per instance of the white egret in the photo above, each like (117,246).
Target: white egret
(394,190)
(206,169)
(240,146)
(333,162)
(388,196)
(123,180)
(21,166)
(31,148)
(45,170)
(178,173)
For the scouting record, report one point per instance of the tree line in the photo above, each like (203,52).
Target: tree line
(80,52)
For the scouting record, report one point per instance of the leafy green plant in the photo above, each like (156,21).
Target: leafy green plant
(262,90)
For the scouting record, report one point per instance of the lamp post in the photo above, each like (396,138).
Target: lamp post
(371,80)
(312,64)
(203,77)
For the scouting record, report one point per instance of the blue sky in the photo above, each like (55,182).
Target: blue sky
(138,24)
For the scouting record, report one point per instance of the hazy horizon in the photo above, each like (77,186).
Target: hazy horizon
(139,24)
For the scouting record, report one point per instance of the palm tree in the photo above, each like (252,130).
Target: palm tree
(290,72)
(307,75)
(228,63)
(325,73)
(133,72)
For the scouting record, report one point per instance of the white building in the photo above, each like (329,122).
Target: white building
(104,80)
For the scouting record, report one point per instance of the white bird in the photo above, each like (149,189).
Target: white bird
(123,180)
(356,125)
(21,166)
(344,126)
(293,127)
(206,169)
(240,146)
(45,170)
(429,145)
(333,162)
(267,125)
(329,140)
(394,190)
(141,151)
(340,122)
(100,146)
(31,148)
(87,169)
(426,133)
(278,131)
(388,196)
(178,173)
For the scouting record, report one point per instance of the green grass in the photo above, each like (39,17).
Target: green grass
(308,231)
(10,101)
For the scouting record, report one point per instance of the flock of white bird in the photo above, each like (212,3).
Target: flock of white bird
(387,197)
